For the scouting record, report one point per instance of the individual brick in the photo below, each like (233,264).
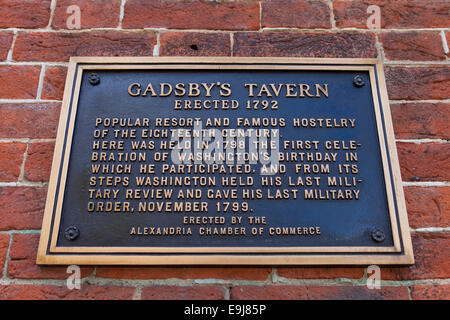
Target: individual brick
(11,158)
(54,81)
(172,14)
(428,206)
(195,44)
(424,162)
(22,207)
(5,44)
(320,272)
(30,14)
(415,46)
(418,83)
(394,14)
(290,292)
(430,292)
(183,293)
(288,44)
(432,261)
(19,82)
(93,14)
(201,272)
(22,264)
(295,14)
(39,161)
(59,46)
(29,120)
(4,243)
(421,120)
(48,292)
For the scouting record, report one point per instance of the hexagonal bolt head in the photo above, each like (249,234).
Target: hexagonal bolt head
(378,235)
(94,79)
(71,233)
(358,81)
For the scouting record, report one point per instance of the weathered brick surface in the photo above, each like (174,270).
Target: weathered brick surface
(4,243)
(23,261)
(195,44)
(47,292)
(29,120)
(286,44)
(5,44)
(394,14)
(22,207)
(54,82)
(239,15)
(19,82)
(197,272)
(59,46)
(424,162)
(320,272)
(94,14)
(39,161)
(428,206)
(24,13)
(432,259)
(296,14)
(285,292)
(416,46)
(430,292)
(421,120)
(209,28)
(183,293)
(418,83)
(11,158)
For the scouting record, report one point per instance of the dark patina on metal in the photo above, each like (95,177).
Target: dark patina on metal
(348,120)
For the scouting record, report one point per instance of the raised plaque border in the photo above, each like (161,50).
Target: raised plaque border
(400,253)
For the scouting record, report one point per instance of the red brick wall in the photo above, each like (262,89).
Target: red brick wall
(35,46)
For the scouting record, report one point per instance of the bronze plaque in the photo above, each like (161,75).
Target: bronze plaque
(225,161)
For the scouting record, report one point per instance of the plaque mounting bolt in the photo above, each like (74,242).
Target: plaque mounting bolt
(378,235)
(94,79)
(358,81)
(71,233)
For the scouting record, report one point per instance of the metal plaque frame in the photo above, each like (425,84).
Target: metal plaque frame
(50,253)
